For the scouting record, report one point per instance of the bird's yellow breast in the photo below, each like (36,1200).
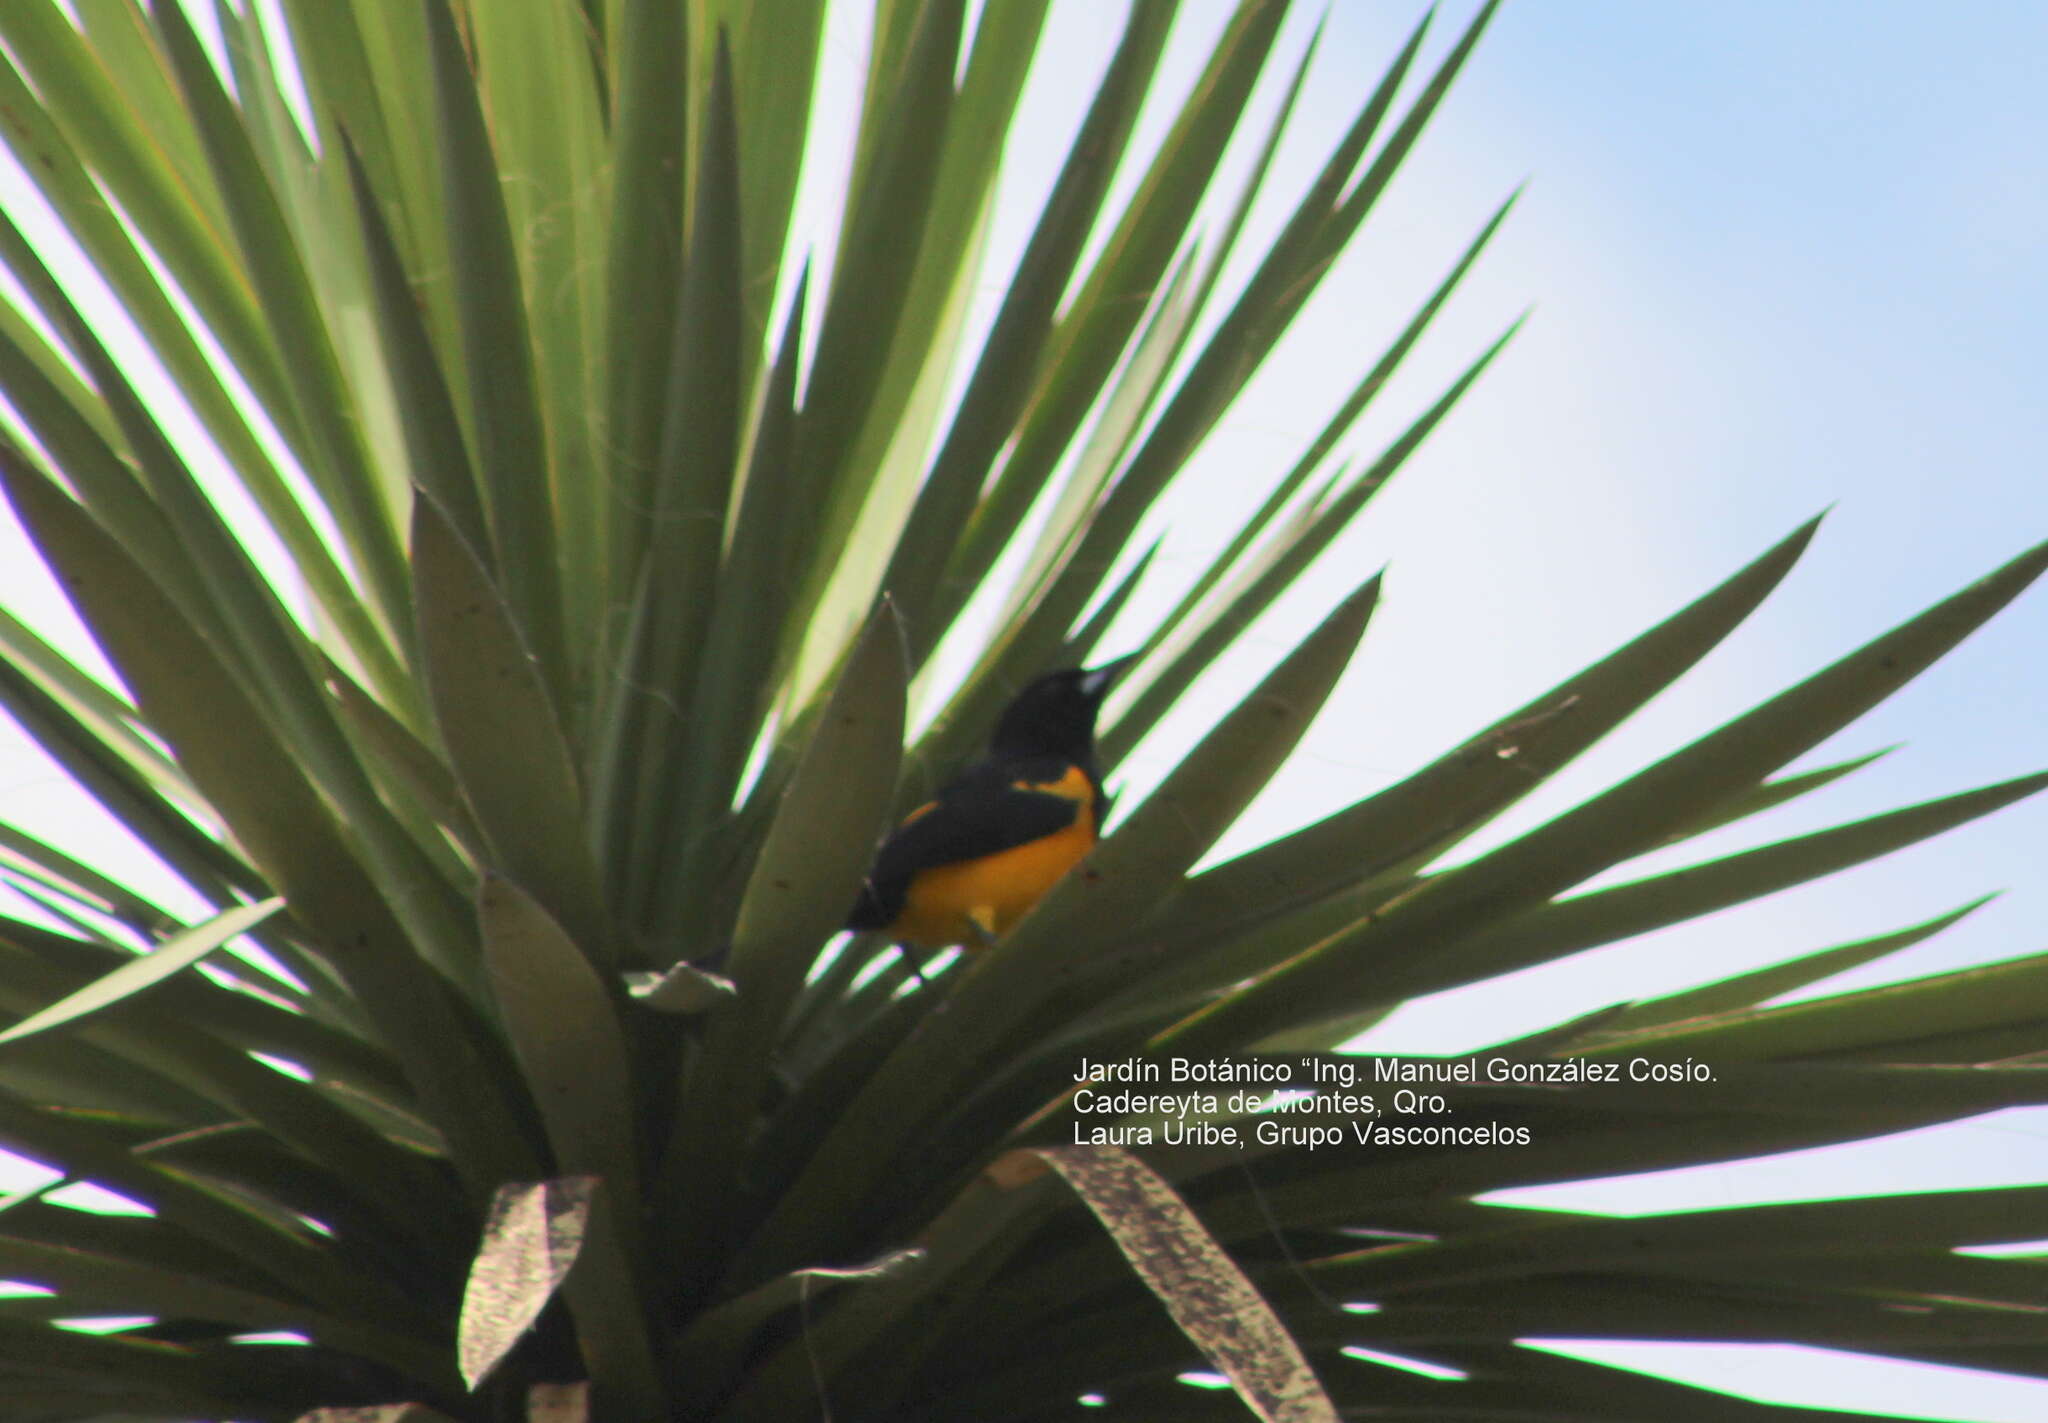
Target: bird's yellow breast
(974,901)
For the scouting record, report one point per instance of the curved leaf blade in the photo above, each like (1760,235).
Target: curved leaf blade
(564,1027)
(506,420)
(803,883)
(499,726)
(173,955)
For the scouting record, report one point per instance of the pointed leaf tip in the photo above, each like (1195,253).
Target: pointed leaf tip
(176,953)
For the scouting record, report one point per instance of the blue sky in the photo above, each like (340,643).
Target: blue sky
(1764,285)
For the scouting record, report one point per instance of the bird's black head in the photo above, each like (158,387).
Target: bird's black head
(1055,715)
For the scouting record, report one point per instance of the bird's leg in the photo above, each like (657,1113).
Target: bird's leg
(916,966)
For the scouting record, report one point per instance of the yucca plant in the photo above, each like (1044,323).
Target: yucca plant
(522,628)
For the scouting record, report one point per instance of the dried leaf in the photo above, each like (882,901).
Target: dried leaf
(532,1237)
(1201,1286)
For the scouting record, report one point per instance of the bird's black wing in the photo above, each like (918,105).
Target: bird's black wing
(990,808)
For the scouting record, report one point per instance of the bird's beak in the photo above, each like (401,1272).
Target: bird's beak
(1097,681)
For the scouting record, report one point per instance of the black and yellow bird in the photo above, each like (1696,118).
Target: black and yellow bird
(967,864)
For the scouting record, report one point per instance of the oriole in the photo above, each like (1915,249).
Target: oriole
(967,864)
